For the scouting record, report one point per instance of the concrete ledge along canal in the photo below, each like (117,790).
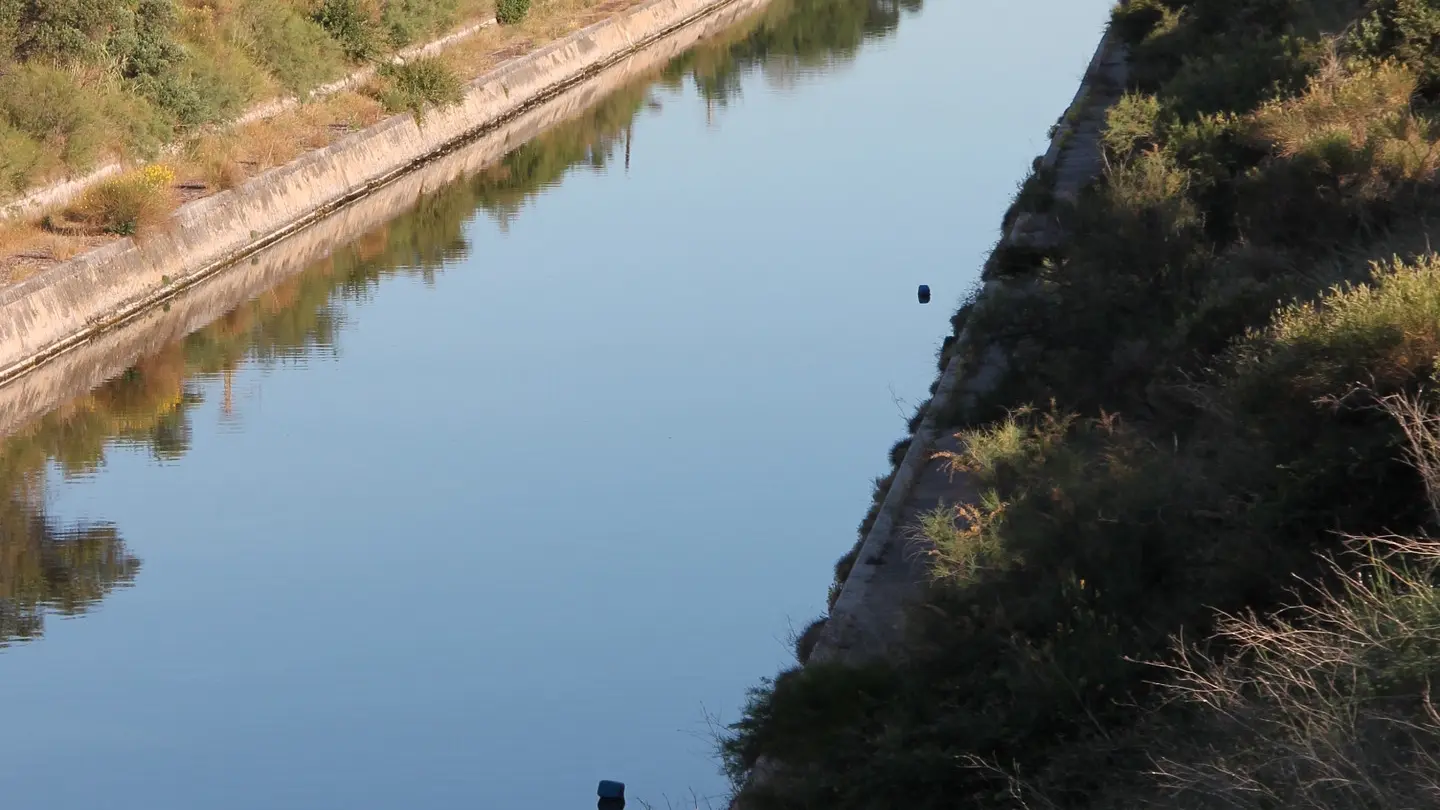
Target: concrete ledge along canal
(502,477)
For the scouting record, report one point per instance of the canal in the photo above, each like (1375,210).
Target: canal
(523,487)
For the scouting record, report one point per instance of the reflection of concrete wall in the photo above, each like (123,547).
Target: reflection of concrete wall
(71,302)
(92,361)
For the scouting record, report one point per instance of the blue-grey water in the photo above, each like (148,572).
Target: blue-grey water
(510,495)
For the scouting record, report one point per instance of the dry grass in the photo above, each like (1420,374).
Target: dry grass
(1363,110)
(1327,705)
(126,205)
(26,248)
(214,160)
(223,159)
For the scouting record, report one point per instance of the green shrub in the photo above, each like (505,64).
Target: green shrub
(1240,79)
(1133,21)
(20,157)
(418,84)
(806,640)
(67,31)
(1133,123)
(792,716)
(1405,30)
(351,25)
(295,50)
(49,105)
(406,21)
(1385,332)
(10,14)
(510,12)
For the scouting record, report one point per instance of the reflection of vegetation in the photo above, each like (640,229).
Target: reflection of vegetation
(43,566)
(790,37)
(150,405)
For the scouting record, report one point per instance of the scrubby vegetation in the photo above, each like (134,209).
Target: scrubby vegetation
(1224,376)
(510,12)
(124,205)
(85,80)
(418,84)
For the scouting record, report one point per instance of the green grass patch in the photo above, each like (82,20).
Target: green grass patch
(418,85)
(510,12)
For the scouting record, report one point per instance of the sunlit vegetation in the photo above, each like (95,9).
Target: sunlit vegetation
(87,80)
(1220,383)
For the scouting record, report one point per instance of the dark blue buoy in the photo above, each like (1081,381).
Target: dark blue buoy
(611,790)
(924,293)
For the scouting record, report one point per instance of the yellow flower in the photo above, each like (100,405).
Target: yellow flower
(157,175)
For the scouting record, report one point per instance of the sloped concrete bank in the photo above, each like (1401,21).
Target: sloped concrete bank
(867,620)
(35,202)
(66,305)
(78,371)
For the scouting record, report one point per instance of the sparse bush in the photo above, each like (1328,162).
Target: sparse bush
(1135,20)
(1131,124)
(406,21)
(294,49)
(511,12)
(128,204)
(217,158)
(352,25)
(49,105)
(420,83)
(66,31)
(223,173)
(1406,30)
(20,157)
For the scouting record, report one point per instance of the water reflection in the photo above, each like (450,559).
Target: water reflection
(48,567)
(45,567)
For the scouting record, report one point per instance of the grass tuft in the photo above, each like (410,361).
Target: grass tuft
(418,85)
(134,202)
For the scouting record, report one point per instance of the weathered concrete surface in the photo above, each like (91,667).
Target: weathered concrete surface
(95,361)
(71,302)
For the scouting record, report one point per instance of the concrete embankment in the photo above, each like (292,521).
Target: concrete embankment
(37,201)
(66,305)
(75,372)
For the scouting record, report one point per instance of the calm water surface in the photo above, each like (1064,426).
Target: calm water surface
(511,494)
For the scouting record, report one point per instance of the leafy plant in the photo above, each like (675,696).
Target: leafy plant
(418,84)
(511,12)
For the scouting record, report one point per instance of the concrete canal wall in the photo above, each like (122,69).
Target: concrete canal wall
(36,202)
(63,306)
